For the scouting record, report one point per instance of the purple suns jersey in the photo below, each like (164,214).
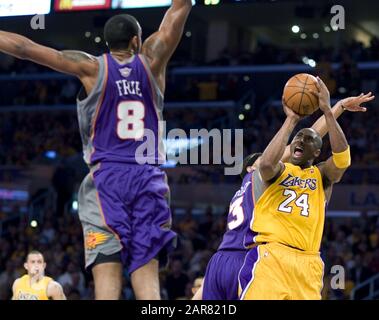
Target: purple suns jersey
(119,119)
(238,235)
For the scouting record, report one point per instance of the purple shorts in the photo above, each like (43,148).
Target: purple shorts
(221,277)
(123,208)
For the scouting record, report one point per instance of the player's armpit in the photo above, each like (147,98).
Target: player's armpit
(330,171)
(270,173)
(55,291)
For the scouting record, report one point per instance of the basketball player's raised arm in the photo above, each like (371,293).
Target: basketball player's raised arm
(76,63)
(270,165)
(55,291)
(334,168)
(352,104)
(160,46)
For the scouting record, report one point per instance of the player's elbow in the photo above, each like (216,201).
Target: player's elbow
(22,50)
(337,176)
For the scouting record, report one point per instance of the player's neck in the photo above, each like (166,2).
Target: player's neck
(306,165)
(35,279)
(122,54)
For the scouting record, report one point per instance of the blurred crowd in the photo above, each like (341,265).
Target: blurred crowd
(27,136)
(352,243)
(345,79)
(267,53)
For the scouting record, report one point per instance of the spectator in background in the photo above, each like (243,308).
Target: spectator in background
(48,232)
(325,72)
(7,277)
(348,77)
(176,280)
(72,279)
(196,285)
(208,89)
(206,226)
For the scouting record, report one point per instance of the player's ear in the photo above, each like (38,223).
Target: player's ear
(26,266)
(317,153)
(135,43)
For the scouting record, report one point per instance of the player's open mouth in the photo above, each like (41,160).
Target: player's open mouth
(298,152)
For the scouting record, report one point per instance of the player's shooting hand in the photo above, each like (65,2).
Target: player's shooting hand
(353,104)
(289,112)
(323,96)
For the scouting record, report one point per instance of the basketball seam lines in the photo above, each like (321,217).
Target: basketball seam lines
(302,94)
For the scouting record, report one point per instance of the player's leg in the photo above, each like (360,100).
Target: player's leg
(211,289)
(263,275)
(230,284)
(102,244)
(307,282)
(148,288)
(108,280)
(152,237)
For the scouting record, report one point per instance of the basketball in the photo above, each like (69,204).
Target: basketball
(298,96)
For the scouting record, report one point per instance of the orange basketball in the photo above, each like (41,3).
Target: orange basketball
(297,95)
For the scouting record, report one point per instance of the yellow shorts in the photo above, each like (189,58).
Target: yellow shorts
(274,271)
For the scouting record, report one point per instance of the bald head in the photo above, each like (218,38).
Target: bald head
(314,134)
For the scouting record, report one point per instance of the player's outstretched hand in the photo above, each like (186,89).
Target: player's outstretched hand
(323,96)
(289,112)
(353,104)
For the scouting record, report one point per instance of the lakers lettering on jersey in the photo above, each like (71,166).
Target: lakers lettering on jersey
(37,291)
(291,210)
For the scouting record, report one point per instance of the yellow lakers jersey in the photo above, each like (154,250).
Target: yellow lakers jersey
(291,210)
(38,291)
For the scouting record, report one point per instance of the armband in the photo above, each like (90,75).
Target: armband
(342,159)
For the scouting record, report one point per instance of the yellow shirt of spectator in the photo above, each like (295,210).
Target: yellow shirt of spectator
(37,291)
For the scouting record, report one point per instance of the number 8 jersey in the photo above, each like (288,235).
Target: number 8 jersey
(291,210)
(119,119)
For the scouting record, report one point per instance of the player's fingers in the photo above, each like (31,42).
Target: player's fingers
(320,82)
(360,109)
(369,98)
(323,86)
(365,99)
(315,93)
(318,85)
